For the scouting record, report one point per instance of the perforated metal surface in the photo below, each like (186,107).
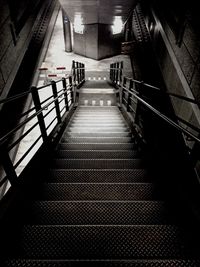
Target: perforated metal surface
(87,133)
(97,146)
(95,154)
(98,263)
(105,242)
(98,213)
(97,140)
(97,163)
(59,191)
(98,176)
(98,129)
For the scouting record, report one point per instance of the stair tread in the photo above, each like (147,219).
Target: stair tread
(98,212)
(98,191)
(103,263)
(97,175)
(96,146)
(104,242)
(84,154)
(97,140)
(98,163)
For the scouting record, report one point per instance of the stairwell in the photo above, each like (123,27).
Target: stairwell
(98,205)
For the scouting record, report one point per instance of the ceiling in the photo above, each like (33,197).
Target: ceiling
(98,11)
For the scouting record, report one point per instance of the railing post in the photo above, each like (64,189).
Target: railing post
(83,72)
(55,94)
(65,93)
(8,166)
(121,71)
(71,89)
(74,71)
(36,100)
(129,96)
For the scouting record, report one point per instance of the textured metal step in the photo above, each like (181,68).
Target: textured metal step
(96,154)
(98,176)
(96,146)
(103,263)
(100,134)
(92,129)
(101,242)
(98,213)
(97,163)
(98,191)
(109,125)
(97,140)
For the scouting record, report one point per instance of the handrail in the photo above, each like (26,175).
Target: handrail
(62,99)
(164,117)
(12,98)
(188,99)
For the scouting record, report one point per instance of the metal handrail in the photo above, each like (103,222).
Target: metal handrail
(66,93)
(113,66)
(161,115)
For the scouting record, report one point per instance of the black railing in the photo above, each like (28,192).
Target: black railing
(129,97)
(50,105)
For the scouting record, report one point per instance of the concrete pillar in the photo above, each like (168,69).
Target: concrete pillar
(67,32)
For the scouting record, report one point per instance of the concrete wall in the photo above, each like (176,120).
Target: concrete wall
(97,42)
(15,32)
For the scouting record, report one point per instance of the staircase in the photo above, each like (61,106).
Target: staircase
(98,206)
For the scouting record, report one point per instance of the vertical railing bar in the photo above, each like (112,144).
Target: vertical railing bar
(36,100)
(55,94)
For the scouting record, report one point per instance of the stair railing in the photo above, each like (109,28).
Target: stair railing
(42,122)
(130,97)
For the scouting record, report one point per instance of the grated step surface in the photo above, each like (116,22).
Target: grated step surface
(96,154)
(102,263)
(98,191)
(97,163)
(98,176)
(97,129)
(96,146)
(104,242)
(92,140)
(87,133)
(98,213)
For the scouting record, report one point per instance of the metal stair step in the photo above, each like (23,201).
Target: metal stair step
(101,129)
(87,133)
(97,163)
(97,140)
(98,191)
(96,154)
(101,242)
(97,176)
(97,124)
(96,146)
(103,263)
(98,213)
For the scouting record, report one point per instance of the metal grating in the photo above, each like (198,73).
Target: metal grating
(97,133)
(98,176)
(104,242)
(59,191)
(94,154)
(97,163)
(97,140)
(97,146)
(103,263)
(98,213)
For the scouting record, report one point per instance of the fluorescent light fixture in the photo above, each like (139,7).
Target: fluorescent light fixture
(117,26)
(78,24)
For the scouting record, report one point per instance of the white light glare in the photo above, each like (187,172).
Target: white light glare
(117,26)
(78,24)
